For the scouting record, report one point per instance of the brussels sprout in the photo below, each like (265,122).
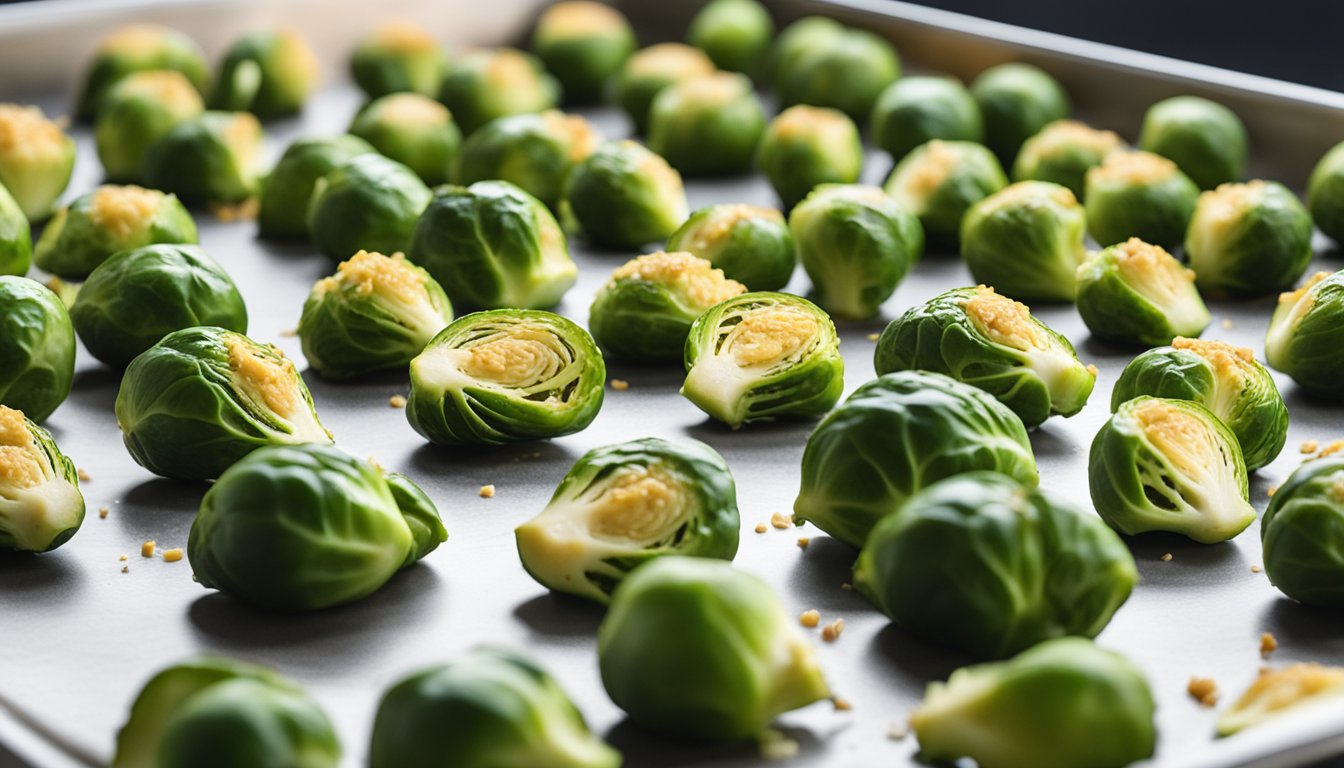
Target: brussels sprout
(204,397)
(487,84)
(16,237)
(210,712)
(916,110)
(1016,101)
(1012,566)
(1026,241)
(623,196)
(268,73)
(137,297)
(804,37)
(645,311)
(414,130)
(1062,704)
(1139,194)
(376,312)
(993,343)
(1063,152)
(1248,239)
(1306,338)
(1303,536)
(895,435)
(492,707)
(807,146)
(213,158)
(109,219)
(1137,293)
(1169,465)
(506,376)
(708,125)
(583,44)
(535,152)
(940,181)
(735,33)
(37,348)
(694,648)
(398,57)
(751,244)
(138,111)
(1325,193)
(1277,692)
(1206,139)
(36,159)
(286,192)
(856,245)
(847,71)
(652,69)
(135,48)
(762,355)
(493,245)
(367,203)
(40,503)
(623,505)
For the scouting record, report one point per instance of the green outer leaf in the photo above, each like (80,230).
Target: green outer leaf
(1206,139)
(703,138)
(915,110)
(278,90)
(1302,534)
(475,97)
(429,149)
(637,319)
(1325,193)
(37,348)
(1029,247)
(974,176)
(286,192)
(194,161)
(1310,348)
(585,63)
(519,149)
(76,241)
(420,514)
(16,237)
(735,33)
(756,251)
(1115,310)
(131,119)
(802,158)
(1016,101)
(368,203)
(174,50)
(624,196)
(42,518)
(380,70)
(1156,212)
(1265,250)
(847,71)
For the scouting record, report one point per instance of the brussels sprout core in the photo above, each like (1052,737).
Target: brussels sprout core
(36,159)
(40,503)
(1248,239)
(1137,293)
(1277,692)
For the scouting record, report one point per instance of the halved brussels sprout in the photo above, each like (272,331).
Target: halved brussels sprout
(1248,239)
(137,297)
(203,398)
(916,110)
(37,348)
(397,57)
(708,125)
(1169,465)
(735,33)
(535,152)
(36,159)
(109,219)
(213,158)
(1016,101)
(491,707)
(624,196)
(138,111)
(993,343)
(1303,534)
(376,312)
(135,48)
(1137,293)
(268,73)
(1063,152)
(1139,194)
(1206,139)
(286,192)
(940,181)
(583,44)
(804,147)
(1225,379)
(846,70)
(1026,241)
(1306,337)
(367,203)
(414,130)
(1325,193)
(16,237)
(694,648)
(492,245)
(1061,704)
(623,505)
(652,69)
(856,245)
(1278,692)
(497,82)
(895,435)
(750,243)
(763,355)
(506,376)
(40,503)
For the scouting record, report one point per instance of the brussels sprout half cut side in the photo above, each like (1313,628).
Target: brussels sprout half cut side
(1137,293)
(1248,239)
(109,219)
(1305,338)
(37,159)
(1279,692)
(37,348)
(1026,241)
(1301,534)
(40,503)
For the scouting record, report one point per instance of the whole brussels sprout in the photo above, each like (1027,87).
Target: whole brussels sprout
(137,297)
(534,152)
(623,505)
(845,71)
(1063,152)
(735,33)
(397,57)
(1248,239)
(203,398)
(109,219)
(1306,338)
(40,503)
(414,130)
(1302,536)
(37,348)
(803,38)
(856,245)
(213,158)
(286,192)
(16,237)
(367,203)
(138,111)
(751,244)
(1016,101)
(376,312)
(708,125)
(804,147)
(583,44)
(1169,465)
(36,159)
(652,69)
(491,707)
(492,245)
(135,48)
(1061,704)
(895,435)
(1325,193)
(268,73)
(220,712)
(1137,293)
(491,83)
(1225,379)
(763,355)
(1139,194)
(694,648)
(992,343)
(302,527)
(1278,692)
(506,376)
(623,196)
(1026,241)
(940,181)
(915,110)
(1206,139)
(645,311)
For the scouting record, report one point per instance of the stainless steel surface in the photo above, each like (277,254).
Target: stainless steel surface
(81,637)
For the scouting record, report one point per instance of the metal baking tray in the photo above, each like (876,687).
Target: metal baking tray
(80,636)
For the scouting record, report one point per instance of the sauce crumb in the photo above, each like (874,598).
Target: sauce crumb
(1203,690)
(487,491)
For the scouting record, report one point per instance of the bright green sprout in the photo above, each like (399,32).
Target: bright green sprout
(1137,293)
(804,147)
(109,219)
(1063,152)
(138,111)
(915,110)
(136,48)
(211,159)
(533,152)
(750,243)
(1248,239)
(36,159)
(367,203)
(1325,193)
(1206,139)
(37,348)
(584,45)
(1139,194)
(652,69)
(845,70)
(414,130)
(268,73)
(40,503)
(1026,241)
(1279,692)
(1302,535)
(707,125)
(940,181)
(16,237)
(624,196)
(398,57)
(491,83)
(736,34)
(282,202)
(1306,336)
(804,37)
(1016,101)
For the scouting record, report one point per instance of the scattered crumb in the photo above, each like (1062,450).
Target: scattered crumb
(1334,447)
(620,385)
(1308,446)
(778,747)
(82,475)
(396,401)
(1204,690)
(762,527)
(125,569)
(1166,558)
(1092,369)
(123,558)
(1256,569)
(841,705)
(810,618)
(289,333)
(147,549)
(1226,323)
(803,542)
(781,521)
(898,731)
(1268,645)
(1271,490)
(845,585)
(831,632)
(102,513)
(244,211)
(874,336)
(487,491)
(172,555)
